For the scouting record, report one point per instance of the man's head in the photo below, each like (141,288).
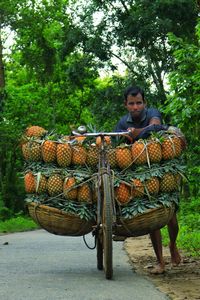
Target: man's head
(134,101)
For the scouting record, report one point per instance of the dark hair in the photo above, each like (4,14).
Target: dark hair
(133,91)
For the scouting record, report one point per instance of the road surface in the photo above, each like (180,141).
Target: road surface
(38,265)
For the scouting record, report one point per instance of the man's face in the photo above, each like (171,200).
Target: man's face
(135,105)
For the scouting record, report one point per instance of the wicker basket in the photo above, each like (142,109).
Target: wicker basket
(58,222)
(145,223)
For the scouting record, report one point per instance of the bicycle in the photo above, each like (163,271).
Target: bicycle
(106,213)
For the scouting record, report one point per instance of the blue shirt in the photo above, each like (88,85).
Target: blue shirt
(127,121)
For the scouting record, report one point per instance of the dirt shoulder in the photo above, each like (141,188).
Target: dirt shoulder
(180,283)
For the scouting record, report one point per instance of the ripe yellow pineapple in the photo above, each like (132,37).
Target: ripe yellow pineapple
(92,156)
(64,155)
(168,183)
(123,156)
(49,151)
(154,151)
(123,193)
(107,140)
(178,180)
(55,185)
(79,155)
(29,182)
(84,193)
(41,183)
(171,147)
(25,151)
(68,190)
(139,152)
(111,156)
(35,131)
(152,185)
(31,151)
(137,190)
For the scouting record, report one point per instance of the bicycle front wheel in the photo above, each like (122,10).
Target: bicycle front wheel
(107,222)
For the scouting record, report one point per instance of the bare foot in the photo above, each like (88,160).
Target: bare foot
(175,255)
(158,269)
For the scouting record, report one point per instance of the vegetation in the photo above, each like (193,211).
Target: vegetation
(51,76)
(189,223)
(17,224)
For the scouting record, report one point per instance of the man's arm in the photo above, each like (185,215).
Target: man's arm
(136,131)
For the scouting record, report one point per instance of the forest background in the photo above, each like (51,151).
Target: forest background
(63,67)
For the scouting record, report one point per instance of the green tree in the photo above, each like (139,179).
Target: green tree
(184,101)
(139,31)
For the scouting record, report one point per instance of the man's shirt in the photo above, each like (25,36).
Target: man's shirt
(128,121)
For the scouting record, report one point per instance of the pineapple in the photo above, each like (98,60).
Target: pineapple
(171,147)
(84,193)
(79,139)
(107,140)
(111,156)
(41,183)
(154,151)
(92,156)
(35,131)
(79,155)
(123,193)
(152,186)
(139,152)
(68,190)
(29,183)
(49,151)
(64,155)
(25,151)
(123,156)
(168,183)
(178,179)
(55,185)
(138,188)
(31,151)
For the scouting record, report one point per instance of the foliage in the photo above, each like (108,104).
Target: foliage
(189,227)
(19,223)
(184,101)
(135,32)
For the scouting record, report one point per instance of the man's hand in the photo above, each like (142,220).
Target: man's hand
(134,132)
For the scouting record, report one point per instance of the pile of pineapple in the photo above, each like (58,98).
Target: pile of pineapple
(61,171)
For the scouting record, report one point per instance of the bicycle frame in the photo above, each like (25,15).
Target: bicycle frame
(106,213)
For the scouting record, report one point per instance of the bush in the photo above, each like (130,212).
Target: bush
(5,213)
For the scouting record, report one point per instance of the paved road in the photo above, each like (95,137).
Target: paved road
(38,265)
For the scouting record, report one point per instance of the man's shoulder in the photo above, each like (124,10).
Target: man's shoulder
(153,112)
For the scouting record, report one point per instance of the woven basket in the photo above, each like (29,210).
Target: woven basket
(145,223)
(58,222)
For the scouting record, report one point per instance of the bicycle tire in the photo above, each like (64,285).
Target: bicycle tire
(99,246)
(107,220)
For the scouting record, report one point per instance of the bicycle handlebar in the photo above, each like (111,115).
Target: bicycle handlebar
(101,133)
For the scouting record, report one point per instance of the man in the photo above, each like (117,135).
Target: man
(140,120)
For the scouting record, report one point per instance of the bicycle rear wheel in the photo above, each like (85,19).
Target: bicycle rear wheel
(107,222)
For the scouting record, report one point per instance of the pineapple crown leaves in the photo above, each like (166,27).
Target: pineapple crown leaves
(167,199)
(83,210)
(139,206)
(123,145)
(156,137)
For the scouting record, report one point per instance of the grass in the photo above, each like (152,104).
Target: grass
(189,227)
(19,223)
